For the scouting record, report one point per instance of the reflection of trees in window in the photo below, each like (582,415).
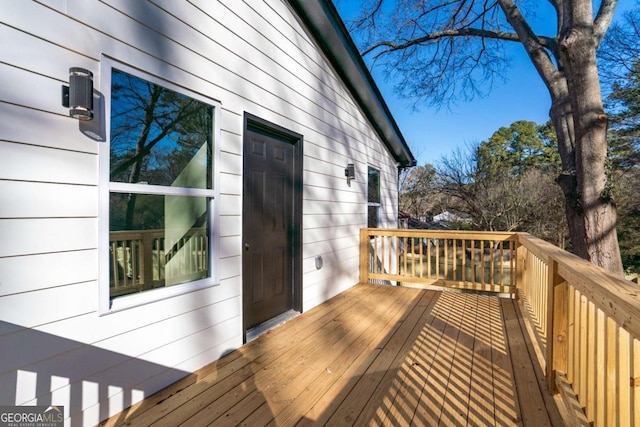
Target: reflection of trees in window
(373,182)
(372,216)
(156,134)
(147,215)
(161,186)
(373,197)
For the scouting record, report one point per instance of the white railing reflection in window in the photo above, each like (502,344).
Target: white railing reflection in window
(139,260)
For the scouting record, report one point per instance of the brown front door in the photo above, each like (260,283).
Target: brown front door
(271,221)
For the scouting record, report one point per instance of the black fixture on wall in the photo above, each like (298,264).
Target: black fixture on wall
(350,172)
(78,96)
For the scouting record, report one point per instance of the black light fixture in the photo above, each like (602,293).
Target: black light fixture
(78,96)
(350,172)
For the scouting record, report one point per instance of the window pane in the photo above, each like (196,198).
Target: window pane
(158,136)
(373,186)
(156,241)
(372,216)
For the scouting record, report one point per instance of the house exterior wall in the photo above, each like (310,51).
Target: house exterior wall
(255,57)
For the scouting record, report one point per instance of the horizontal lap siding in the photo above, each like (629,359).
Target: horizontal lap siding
(251,57)
(25,273)
(46,200)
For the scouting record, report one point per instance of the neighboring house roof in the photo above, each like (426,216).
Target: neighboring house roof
(416,224)
(448,216)
(324,22)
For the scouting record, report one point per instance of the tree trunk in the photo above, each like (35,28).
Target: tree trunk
(591,212)
(581,126)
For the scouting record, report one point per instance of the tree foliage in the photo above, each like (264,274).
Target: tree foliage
(620,48)
(418,191)
(517,149)
(620,60)
(626,188)
(506,183)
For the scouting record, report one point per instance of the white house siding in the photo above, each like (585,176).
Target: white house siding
(251,56)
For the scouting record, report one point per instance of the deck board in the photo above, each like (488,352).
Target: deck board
(531,401)
(373,355)
(482,389)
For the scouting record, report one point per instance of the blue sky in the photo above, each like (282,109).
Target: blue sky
(433,133)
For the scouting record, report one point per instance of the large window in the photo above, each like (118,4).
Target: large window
(373,198)
(161,186)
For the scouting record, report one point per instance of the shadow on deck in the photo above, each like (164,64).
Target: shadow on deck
(373,355)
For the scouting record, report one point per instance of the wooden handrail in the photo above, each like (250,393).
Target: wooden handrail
(453,259)
(616,296)
(585,320)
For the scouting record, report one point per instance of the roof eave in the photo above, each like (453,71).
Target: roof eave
(324,22)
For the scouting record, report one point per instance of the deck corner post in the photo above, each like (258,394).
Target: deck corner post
(364,256)
(557,325)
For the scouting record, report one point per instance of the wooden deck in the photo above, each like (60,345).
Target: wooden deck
(374,355)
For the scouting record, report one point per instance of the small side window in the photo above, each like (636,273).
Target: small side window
(373,198)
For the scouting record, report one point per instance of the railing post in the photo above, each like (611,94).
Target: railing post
(557,324)
(520,268)
(364,256)
(147,259)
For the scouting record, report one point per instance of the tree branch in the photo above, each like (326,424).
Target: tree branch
(369,17)
(603,19)
(533,44)
(391,46)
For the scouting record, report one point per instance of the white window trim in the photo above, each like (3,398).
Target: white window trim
(106,304)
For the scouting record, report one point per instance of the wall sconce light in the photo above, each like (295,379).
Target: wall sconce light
(78,96)
(350,172)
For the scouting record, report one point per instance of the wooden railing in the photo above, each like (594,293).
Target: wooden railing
(140,261)
(454,259)
(585,320)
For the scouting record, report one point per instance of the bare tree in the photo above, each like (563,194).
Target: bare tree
(417,192)
(450,48)
(620,69)
(505,198)
(620,48)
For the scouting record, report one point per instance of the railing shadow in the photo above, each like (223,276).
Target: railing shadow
(454,368)
(212,393)
(38,368)
(457,370)
(375,355)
